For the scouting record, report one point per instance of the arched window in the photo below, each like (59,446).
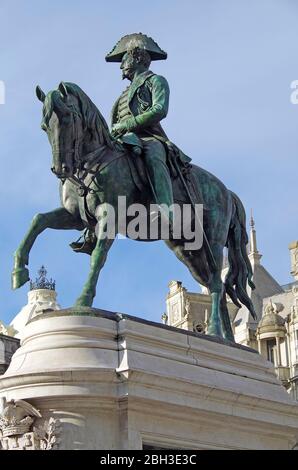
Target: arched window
(271,350)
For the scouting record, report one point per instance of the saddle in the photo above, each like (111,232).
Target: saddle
(179,168)
(177,162)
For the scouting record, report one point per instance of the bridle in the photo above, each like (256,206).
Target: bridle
(83,166)
(74,153)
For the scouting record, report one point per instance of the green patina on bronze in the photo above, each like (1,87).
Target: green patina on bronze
(136,160)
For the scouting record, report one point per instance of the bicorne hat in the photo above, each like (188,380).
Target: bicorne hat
(131,41)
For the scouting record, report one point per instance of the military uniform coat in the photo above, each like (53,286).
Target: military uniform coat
(148,101)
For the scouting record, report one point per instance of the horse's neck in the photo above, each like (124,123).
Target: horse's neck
(93,150)
(90,144)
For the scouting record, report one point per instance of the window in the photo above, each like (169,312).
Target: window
(271,348)
(296,344)
(175,312)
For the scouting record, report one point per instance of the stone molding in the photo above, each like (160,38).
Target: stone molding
(115,381)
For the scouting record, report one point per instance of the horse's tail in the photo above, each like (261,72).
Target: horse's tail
(240,271)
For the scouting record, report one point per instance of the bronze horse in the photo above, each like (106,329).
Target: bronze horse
(77,132)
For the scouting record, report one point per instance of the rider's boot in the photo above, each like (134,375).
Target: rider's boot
(155,157)
(87,245)
(163,192)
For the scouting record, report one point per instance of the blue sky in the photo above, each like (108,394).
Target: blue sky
(230,65)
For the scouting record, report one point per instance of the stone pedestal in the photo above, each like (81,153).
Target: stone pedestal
(110,381)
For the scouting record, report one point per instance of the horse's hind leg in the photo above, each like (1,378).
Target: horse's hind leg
(215,286)
(198,266)
(219,322)
(59,219)
(194,260)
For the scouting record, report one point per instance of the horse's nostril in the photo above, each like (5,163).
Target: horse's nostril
(53,169)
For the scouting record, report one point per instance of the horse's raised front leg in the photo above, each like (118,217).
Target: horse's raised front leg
(59,219)
(98,259)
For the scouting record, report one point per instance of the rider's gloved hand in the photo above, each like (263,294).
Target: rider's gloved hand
(122,128)
(118,130)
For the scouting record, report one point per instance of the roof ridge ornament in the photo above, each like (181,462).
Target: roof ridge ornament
(252,222)
(41,282)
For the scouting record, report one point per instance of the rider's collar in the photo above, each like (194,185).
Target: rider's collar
(139,81)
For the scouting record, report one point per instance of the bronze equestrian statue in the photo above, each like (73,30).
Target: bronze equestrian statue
(137,161)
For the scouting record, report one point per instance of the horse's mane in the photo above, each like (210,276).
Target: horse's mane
(91,116)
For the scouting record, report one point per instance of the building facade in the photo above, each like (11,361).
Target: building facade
(8,346)
(275,332)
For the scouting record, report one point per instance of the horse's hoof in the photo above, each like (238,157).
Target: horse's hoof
(215,330)
(84,301)
(19,277)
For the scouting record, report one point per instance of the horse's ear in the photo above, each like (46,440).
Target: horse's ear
(40,94)
(63,90)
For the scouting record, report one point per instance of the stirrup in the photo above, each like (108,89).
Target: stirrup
(85,246)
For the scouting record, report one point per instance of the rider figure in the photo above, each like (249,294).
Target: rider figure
(136,117)
(141,107)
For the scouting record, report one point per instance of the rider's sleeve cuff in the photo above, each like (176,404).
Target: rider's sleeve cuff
(131,124)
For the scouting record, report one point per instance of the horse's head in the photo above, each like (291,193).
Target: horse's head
(63,124)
